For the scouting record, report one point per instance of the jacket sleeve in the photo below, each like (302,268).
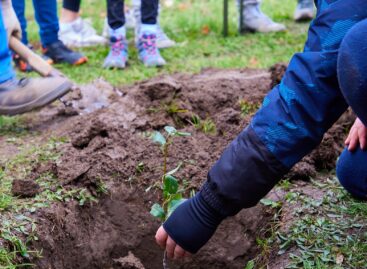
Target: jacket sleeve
(291,122)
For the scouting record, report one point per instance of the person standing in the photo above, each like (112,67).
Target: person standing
(46,17)
(147,36)
(22,95)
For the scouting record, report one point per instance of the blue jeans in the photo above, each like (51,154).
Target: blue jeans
(46,17)
(6,70)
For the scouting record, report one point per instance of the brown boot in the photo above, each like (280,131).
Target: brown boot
(20,96)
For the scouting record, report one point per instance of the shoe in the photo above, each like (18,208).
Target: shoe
(304,11)
(20,96)
(254,20)
(23,66)
(118,55)
(80,33)
(59,53)
(148,50)
(163,41)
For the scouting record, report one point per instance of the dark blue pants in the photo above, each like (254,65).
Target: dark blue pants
(6,70)
(46,17)
(73,5)
(116,14)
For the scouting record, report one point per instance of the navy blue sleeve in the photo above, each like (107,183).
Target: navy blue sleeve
(291,122)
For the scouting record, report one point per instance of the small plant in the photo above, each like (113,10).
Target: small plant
(172,193)
(248,107)
(207,126)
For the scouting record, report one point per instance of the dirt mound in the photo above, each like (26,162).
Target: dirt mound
(108,145)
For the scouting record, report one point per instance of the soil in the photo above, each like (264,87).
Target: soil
(107,144)
(25,188)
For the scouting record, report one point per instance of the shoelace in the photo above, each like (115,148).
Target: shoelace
(148,42)
(117,46)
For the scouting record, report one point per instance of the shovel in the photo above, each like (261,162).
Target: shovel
(35,61)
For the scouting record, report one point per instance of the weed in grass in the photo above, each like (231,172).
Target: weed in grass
(248,107)
(13,126)
(15,228)
(207,126)
(172,193)
(329,233)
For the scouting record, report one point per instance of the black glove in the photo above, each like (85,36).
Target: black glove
(193,223)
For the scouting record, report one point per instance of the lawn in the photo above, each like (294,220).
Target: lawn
(197,27)
(327,231)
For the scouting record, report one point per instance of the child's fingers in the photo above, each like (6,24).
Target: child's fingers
(362,138)
(350,136)
(353,143)
(161,237)
(170,247)
(179,252)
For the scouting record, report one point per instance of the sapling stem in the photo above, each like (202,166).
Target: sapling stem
(172,194)
(165,260)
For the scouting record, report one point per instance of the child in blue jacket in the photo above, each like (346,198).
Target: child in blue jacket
(320,83)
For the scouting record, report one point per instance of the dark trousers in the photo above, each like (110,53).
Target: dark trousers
(72,5)
(116,14)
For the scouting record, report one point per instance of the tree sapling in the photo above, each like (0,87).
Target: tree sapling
(172,193)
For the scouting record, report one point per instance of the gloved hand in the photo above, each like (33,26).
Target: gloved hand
(10,19)
(190,226)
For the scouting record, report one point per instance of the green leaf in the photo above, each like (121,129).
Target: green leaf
(170,184)
(250,265)
(174,171)
(268,202)
(172,205)
(158,212)
(157,137)
(183,134)
(170,130)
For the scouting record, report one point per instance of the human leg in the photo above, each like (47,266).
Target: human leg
(351,170)
(19,8)
(163,41)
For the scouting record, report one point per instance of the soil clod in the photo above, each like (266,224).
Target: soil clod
(25,188)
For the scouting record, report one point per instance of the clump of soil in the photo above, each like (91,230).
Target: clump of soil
(277,72)
(25,188)
(128,262)
(108,144)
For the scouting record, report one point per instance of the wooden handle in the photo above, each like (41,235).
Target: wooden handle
(35,61)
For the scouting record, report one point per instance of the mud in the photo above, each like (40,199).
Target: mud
(25,188)
(106,145)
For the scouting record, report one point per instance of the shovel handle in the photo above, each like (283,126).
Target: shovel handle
(35,61)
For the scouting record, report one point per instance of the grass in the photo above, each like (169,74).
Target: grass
(17,227)
(326,232)
(197,27)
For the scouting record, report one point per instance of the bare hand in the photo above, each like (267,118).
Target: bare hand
(357,135)
(174,251)
(10,19)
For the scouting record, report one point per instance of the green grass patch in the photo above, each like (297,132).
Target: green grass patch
(197,28)
(17,227)
(330,232)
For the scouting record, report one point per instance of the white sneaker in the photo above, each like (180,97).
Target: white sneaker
(80,33)
(163,41)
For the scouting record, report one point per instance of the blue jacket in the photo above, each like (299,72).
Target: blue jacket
(293,118)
